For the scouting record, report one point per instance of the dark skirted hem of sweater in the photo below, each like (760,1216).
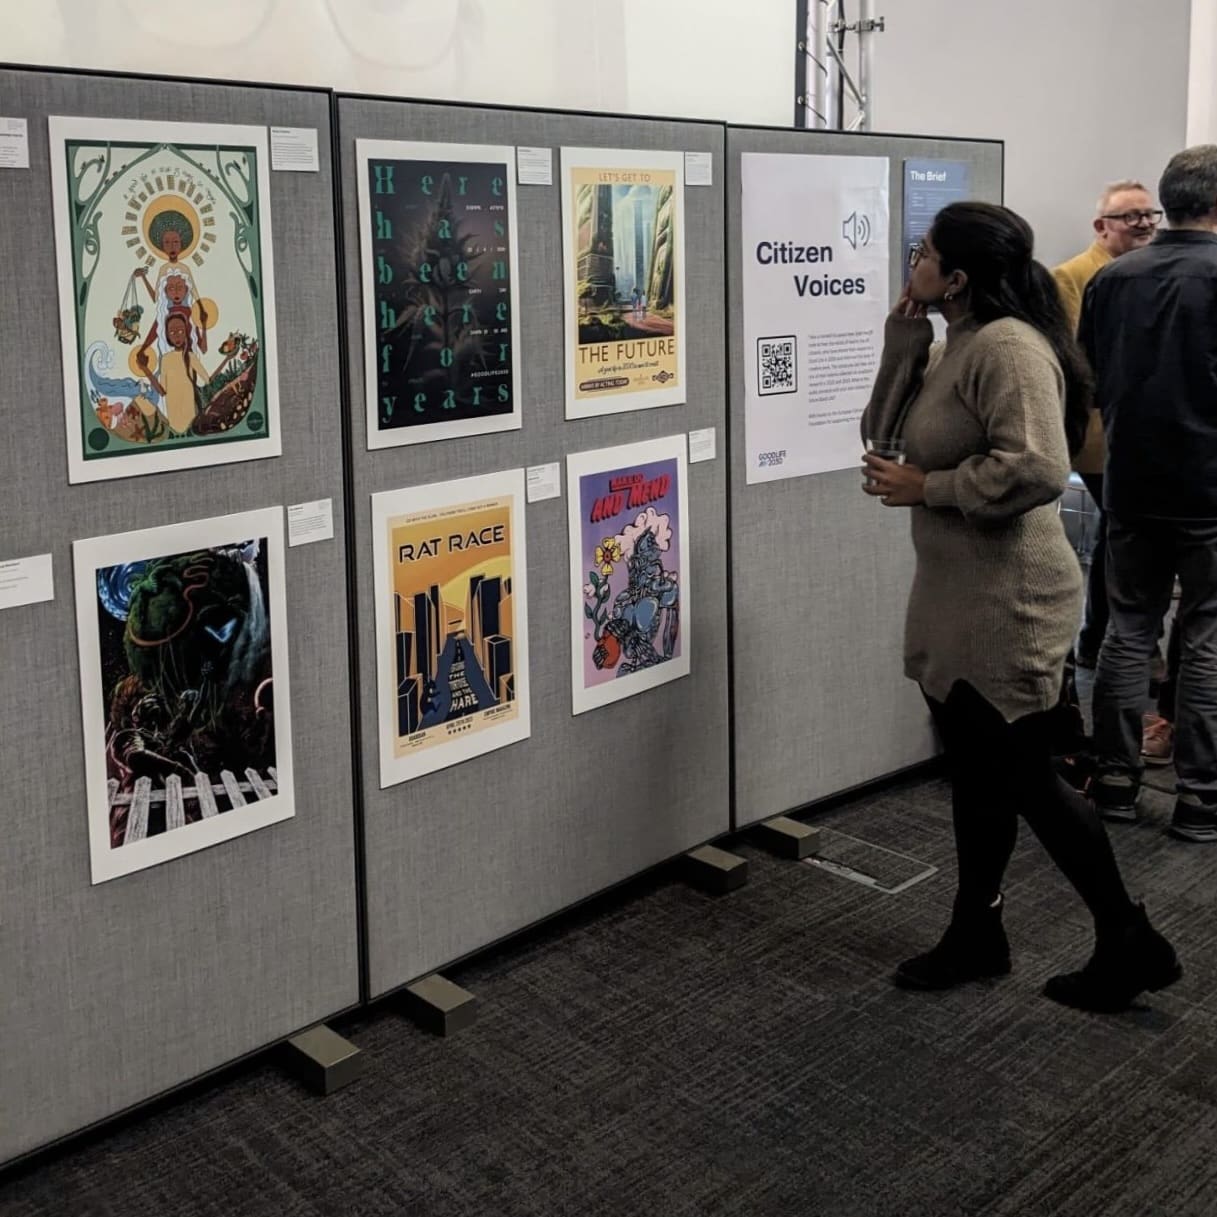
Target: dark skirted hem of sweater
(997,593)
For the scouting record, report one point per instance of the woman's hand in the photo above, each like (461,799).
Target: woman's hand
(907,308)
(895,485)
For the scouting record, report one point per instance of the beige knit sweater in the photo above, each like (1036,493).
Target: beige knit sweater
(998,591)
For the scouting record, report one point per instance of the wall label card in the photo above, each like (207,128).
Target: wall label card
(26,581)
(309,522)
(185,695)
(14,143)
(699,168)
(702,445)
(166,295)
(623,257)
(294,150)
(815,277)
(440,267)
(451,622)
(544,482)
(629,551)
(536,166)
(929,185)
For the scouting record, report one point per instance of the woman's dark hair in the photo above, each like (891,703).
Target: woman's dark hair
(993,246)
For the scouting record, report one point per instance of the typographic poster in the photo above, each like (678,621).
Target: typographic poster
(439,264)
(623,252)
(166,295)
(816,268)
(629,552)
(451,622)
(184,687)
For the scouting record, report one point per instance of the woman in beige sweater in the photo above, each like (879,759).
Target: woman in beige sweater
(985,419)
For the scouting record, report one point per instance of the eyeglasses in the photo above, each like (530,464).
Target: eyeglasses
(917,251)
(1132,218)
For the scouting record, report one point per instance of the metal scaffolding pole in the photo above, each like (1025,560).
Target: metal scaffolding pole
(826,89)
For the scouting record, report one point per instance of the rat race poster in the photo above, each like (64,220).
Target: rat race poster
(623,252)
(184,687)
(451,622)
(629,553)
(439,263)
(166,295)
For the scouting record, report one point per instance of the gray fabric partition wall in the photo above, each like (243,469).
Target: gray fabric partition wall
(112,994)
(464,856)
(819,572)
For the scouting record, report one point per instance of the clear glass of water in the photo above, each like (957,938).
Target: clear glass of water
(889,448)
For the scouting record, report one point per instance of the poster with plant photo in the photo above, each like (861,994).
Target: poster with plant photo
(439,267)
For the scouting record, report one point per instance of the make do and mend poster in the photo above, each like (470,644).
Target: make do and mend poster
(815,276)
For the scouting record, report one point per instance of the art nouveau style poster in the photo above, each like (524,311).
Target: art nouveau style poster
(438,258)
(629,552)
(166,295)
(184,687)
(623,234)
(451,622)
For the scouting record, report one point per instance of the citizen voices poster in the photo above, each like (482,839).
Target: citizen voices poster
(629,550)
(816,290)
(451,622)
(623,254)
(166,295)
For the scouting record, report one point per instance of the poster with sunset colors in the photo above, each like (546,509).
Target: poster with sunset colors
(451,622)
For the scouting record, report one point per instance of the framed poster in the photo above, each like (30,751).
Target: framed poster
(816,266)
(629,554)
(623,234)
(450,564)
(438,256)
(184,686)
(166,295)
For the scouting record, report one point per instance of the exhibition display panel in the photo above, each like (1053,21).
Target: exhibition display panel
(178,883)
(817,243)
(460,853)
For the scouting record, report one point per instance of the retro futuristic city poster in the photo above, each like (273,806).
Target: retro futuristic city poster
(451,622)
(166,295)
(629,547)
(623,251)
(184,687)
(438,252)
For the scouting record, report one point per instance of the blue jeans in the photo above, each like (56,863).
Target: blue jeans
(1143,557)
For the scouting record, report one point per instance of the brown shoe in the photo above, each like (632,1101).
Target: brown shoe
(1157,740)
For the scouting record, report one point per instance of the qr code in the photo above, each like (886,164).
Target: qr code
(775,365)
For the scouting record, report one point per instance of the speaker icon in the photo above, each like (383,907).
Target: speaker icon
(857,230)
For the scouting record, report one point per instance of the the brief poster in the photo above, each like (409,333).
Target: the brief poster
(182,634)
(629,552)
(929,185)
(439,265)
(451,622)
(816,288)
(166,295)
(623,246)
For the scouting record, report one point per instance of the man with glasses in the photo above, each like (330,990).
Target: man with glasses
(1125,219)
(1149,327)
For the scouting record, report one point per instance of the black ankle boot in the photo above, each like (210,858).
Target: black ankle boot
(1126,962)
(974,947)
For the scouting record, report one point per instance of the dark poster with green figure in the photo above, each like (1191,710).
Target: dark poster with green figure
(438,249)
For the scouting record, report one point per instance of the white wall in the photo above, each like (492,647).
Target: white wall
(1082,91)
(1201,93)
(685,58)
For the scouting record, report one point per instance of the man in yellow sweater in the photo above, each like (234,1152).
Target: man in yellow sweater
(1125,219)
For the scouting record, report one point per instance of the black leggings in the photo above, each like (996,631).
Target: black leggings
(1002,770)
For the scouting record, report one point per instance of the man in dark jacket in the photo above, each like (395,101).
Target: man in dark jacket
(1149,326)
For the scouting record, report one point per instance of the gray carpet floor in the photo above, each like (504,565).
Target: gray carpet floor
(670,1053)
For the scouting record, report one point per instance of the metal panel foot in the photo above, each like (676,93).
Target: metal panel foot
(439,1006)
(788,838)
(715,871)
(323,1060)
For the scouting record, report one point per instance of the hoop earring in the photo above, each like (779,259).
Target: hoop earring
(948,296)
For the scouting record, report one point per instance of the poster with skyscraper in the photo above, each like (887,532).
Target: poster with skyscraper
(623,232)
(451,622)
(438,254)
